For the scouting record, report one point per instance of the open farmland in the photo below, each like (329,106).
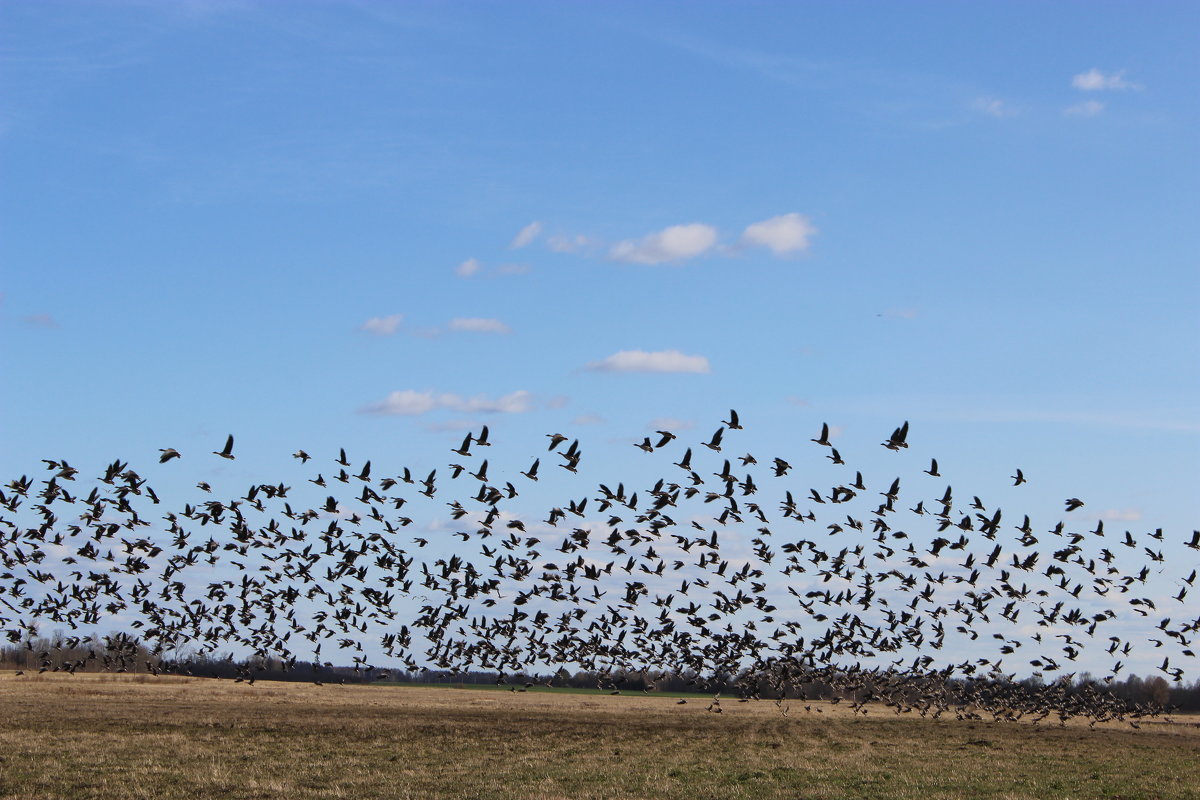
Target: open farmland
(93,736)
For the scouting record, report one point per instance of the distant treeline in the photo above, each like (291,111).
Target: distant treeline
(121,653)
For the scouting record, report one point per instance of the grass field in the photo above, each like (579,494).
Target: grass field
(104,736)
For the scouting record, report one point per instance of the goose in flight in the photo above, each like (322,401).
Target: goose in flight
(532,473)
(824,435)
(898,437)
(228,451)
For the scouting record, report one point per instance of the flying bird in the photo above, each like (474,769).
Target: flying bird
(482,438)
(824,439)
(898,438)
(532,473)
(228,451)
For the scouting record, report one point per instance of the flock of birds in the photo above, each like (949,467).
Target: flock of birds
(696,573)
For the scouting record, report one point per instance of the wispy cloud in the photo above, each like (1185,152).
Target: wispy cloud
(478,325)
(410,402)
(657,361)
(993,107)
(672,245)
(40,320)
(1088,108)
(382,326)
(670,424)
(473,268)
(526,235)
(1120,515)
(513,269)
(468,268)
(564,243)
(782,235)
(451,426)
(588,419)
(1096,81)
(1099,419)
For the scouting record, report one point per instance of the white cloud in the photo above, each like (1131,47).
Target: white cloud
(588,419)
(1121,515)
(1076,417)
(452,426)
(517,402)
(1088,108)
(670,424)
(468,268)
(674,244)
(570,244)
(409,402)
(558,401)
(642,361)
(40,320)
(993,107)
(382,326)
(478,325)
(787,233)
(513,269)
(1096,81)
(526,235)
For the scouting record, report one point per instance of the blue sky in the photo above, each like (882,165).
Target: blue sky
(373,226)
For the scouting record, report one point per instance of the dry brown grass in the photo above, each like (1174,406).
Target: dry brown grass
(94,736)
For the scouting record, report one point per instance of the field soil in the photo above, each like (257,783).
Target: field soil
(120,736)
